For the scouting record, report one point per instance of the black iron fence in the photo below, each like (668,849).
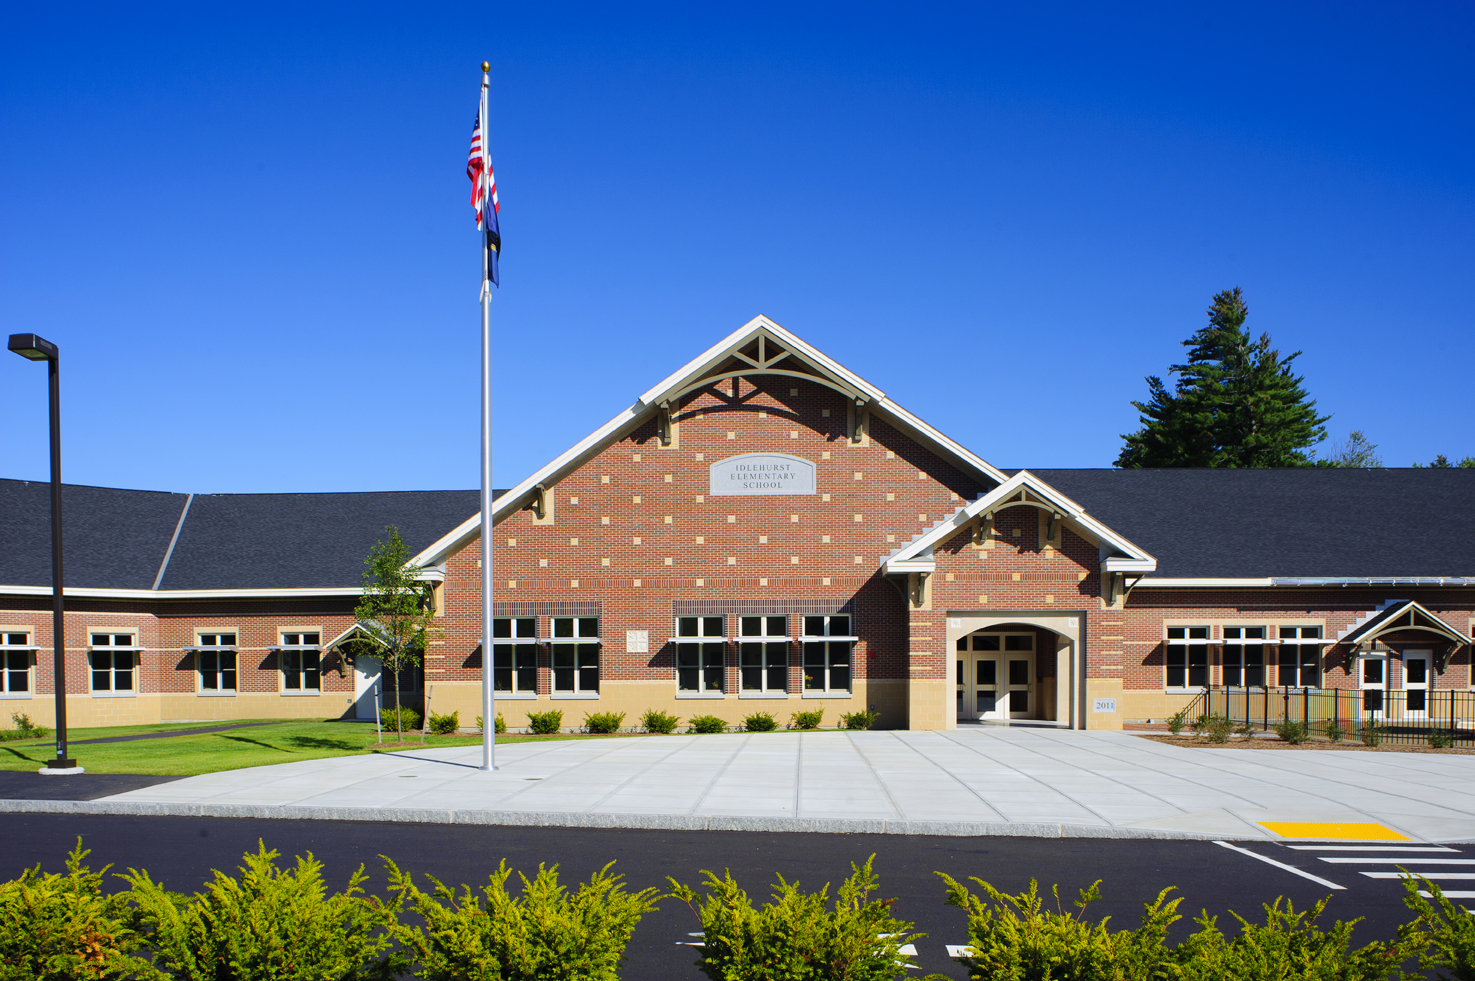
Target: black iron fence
(1376,716)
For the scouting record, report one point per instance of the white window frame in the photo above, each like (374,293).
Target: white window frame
(1185,644)
(766,646)
(707,641)
(211,644)
(520,642)
(823,653)
(294,643)
(1380,686)
(577,648)
(113,648)
(1238,643)
(23,650)
(1300,643)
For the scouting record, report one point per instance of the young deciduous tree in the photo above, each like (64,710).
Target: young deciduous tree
(1358,453)
(396,611)
(1236,403)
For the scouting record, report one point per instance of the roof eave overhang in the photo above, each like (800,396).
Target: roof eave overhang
(1283,582)
(82,592)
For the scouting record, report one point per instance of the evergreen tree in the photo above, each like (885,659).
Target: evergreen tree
(1236,403)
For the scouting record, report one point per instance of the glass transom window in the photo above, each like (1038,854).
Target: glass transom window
(700,646)
(216,657)
(112,662)
(301,662)
(515,655)
(763,653)
(575,655)
(828,643)
(1187,657)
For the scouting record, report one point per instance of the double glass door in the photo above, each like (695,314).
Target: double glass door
(995,676)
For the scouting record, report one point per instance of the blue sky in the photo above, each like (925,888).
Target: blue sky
(247,225)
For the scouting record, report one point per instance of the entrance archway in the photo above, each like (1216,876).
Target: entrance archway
(1014,668)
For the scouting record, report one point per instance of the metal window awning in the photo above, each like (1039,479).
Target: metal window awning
(696,640)
(285,647)
(19,647)
(837,639)
(761,640)
(564,640)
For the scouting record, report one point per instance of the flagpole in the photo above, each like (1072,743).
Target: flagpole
(488,695)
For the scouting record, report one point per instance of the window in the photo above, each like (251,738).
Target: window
(1300,662)
(1371,683)
(515,655)
(301,663)
(1188,657)
(699,649)
(575,655)
(216,658)
(112,662)
(1244,657)
(15,664)
(763,654)
(827,662)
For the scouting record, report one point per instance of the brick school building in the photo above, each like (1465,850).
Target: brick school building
(763,530)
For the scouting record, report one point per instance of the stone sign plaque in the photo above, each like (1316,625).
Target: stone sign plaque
(762,475)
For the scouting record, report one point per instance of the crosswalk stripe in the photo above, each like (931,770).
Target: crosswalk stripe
(1359,860)
(1372,848)
(1425,875)
(1456,894)
(957,951)
(1280,865)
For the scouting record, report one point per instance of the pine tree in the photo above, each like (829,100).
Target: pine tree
(1236,403)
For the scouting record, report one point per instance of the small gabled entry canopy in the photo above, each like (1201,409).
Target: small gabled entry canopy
(1024,489)
(1408,615)
(367,632)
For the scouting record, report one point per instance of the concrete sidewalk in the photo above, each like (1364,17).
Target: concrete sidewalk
(986,780)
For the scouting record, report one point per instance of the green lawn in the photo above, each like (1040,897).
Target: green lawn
(279,742)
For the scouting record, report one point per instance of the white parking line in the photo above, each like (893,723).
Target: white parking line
(1280,865)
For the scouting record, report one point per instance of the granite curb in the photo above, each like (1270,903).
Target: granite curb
(555,819)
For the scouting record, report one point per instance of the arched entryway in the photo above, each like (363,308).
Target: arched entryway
(1013,669)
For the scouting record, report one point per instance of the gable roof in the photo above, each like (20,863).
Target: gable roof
(1399,616)
(1295,526)
(116,540)
(1024,489)
(758,347)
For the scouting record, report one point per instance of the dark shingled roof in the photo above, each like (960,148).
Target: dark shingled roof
(116,539)
(1288,523)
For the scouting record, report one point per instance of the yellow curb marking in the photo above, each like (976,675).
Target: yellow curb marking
(1317,829)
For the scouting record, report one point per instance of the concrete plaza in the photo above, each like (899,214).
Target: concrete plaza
(969,781)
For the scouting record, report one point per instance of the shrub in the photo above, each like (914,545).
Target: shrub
(806,720)
(1176,721)
(1440,739)
(546,723)
(1335,731)
(1291,731)
(604,722)
(707,724)
(547,932)
(407,720)
(500,725)
(444,725)
(662,722)
(859,720)
(1288,945)
(56,927)
(1015,937)
(1244,729)
(760,722)
(24,728)
(269,923)
(1448,927)
(795,937)
(1199,725)
(1370,735)
(1218,728)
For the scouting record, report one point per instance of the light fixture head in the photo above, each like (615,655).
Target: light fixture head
(33,346)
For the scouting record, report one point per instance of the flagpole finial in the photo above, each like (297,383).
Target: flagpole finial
(486,66)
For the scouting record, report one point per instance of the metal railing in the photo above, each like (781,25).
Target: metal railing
(1399,718)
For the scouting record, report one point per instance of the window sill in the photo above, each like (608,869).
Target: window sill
(302,694)
(700,694)
(827,694)
(576,695)
(114,694)
(215,694)
(514,696)
(15,694)
(763,694)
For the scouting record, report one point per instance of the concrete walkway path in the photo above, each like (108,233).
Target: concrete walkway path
(986,780)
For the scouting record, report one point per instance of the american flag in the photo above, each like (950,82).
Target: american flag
(484,187)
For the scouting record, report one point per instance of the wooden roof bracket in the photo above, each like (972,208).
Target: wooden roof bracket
(984,529)
(540,501)
(663,422)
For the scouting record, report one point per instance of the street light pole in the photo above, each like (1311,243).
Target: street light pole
(37,348)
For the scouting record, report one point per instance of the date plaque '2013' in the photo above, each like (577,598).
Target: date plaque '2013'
(762,475)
